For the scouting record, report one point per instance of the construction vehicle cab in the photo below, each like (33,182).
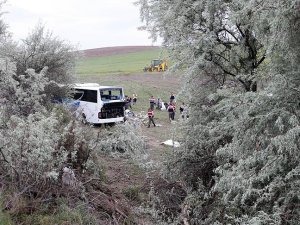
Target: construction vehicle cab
(157,65)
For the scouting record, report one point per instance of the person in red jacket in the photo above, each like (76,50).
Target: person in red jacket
(151,117)
(171,110)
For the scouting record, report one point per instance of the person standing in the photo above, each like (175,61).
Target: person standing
(151,117)
(174,106)
(158,105)
(171,111)
(186,112)
(126,102)
(172,98)
(182,110)
(152,102)
(134,98)
(129,101)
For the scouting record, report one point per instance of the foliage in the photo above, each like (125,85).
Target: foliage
(39,53)
(240,156)
(78,142)
(25,158)
(62,215)
(41,49)
(25,96)
(38,140)
(31,167)
(122,138)
(132,193)
(34,67)
(4,218)
(36,143)
(265,151)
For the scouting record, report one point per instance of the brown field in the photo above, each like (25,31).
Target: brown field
(108,51)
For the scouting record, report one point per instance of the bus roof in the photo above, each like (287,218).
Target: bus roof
(86,85)
(92,86)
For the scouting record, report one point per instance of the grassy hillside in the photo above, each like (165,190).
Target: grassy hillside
(143,84)
(126,70)
(117,64)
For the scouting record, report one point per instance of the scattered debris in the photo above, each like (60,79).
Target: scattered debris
(129,113)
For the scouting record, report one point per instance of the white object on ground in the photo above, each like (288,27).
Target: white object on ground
(163,107)
(171,143)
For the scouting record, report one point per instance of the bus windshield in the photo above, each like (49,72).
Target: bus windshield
(107,94)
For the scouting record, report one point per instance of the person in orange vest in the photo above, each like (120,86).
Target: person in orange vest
(151,117)
(171,110)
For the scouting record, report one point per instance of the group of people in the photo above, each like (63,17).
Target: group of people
(130,101)
(171,108)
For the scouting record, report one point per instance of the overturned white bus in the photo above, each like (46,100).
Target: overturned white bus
(98,104)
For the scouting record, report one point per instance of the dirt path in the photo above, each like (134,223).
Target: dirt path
(154,138)
(129,184)
(124,172)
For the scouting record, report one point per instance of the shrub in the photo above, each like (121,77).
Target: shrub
(132,193)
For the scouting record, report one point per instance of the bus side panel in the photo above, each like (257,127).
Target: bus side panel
(90,111)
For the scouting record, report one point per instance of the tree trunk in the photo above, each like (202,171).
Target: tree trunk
(249,85)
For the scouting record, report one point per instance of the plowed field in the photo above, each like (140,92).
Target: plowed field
(108,51)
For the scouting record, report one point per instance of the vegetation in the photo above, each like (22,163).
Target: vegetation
(41,50)
(132,193)
(239,160)
(239,157)
(50,164)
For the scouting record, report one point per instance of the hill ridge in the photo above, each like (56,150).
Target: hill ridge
(116,50)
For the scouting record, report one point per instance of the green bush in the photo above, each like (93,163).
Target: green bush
(132,193)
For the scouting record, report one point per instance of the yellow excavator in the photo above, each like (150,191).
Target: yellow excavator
(157,65)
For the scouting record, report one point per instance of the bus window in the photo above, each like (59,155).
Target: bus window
(85,95)
(111,94)
(77,94)
(89,96)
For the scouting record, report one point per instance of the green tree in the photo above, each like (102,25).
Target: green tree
(41,59)
(240,157)
(41,49)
